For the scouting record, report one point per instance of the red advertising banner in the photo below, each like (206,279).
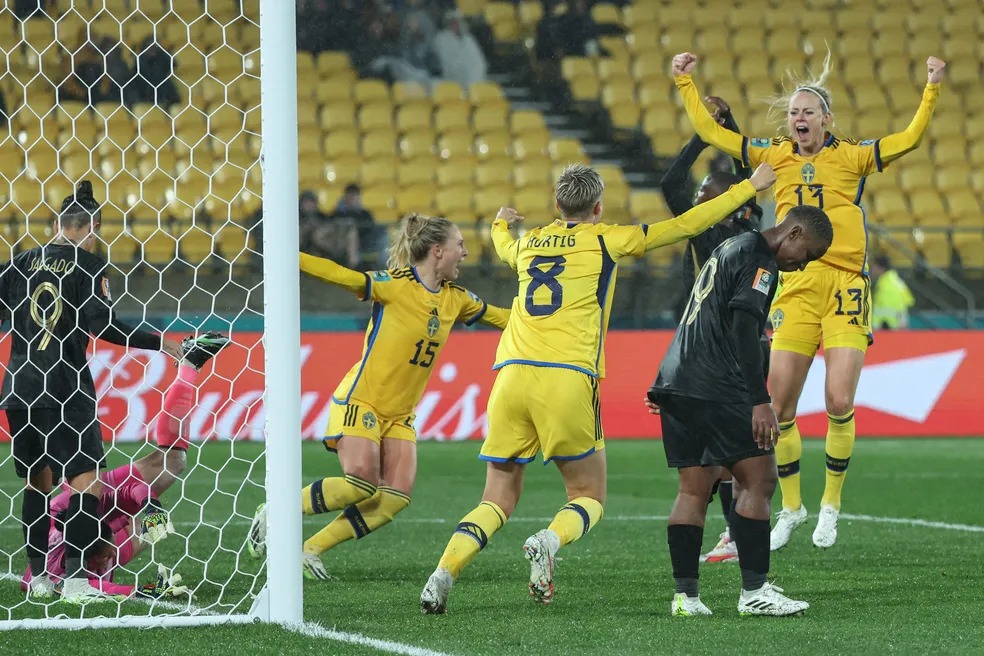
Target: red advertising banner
(913,384)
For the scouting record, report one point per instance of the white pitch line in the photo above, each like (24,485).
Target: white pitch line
(315,630)
(969,528)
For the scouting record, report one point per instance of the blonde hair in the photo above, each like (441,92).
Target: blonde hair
(415,237)
(579,189)
(794,83)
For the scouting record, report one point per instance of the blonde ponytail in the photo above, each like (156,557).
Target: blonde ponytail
(793,83)
(415,237)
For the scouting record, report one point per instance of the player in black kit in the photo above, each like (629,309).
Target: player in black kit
(712,396)
(55,297)
(674,186)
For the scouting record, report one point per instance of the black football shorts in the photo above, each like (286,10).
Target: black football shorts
(70,443)
(702,433)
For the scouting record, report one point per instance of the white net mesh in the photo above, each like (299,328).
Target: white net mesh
(158,105)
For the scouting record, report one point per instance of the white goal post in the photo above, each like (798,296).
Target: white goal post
(229,588)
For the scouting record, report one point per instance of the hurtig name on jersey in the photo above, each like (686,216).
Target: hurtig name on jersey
(57,265)
(552,241)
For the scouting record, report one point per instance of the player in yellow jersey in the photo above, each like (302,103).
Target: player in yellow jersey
(828,304)
(370,423)
(550,359)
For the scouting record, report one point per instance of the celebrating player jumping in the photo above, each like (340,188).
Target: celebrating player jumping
(828,304)
(370,424)
(550,359)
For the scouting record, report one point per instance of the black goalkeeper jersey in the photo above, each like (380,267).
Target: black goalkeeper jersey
(55,297)
(702,360)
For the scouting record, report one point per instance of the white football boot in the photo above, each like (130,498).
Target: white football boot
(40,588)
(314,569)
(825,534)
(540,549)
(769,600)
(725,551)
(434,598)
(786,522)
(684,606)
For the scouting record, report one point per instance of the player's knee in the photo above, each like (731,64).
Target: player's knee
(838,404)
(176,461)
(784,412)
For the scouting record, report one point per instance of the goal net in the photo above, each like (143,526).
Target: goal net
(157,104)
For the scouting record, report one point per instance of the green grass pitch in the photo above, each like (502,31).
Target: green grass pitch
(886,587)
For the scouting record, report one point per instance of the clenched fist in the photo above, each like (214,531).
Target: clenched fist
(935,68)
(683,64)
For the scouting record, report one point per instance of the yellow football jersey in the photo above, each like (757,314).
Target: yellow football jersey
(409,326)
(567,279)
(833,179)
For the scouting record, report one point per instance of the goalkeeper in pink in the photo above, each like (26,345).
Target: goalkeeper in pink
(132,518)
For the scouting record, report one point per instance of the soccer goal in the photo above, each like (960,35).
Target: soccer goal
(158,104)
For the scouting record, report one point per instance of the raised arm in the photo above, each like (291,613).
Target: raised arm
(336,274)
(704,124)
(705,215)
(673,184)
(506,247)
(896,145)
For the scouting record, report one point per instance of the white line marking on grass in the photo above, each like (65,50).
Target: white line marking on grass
(315,630)
(969,528)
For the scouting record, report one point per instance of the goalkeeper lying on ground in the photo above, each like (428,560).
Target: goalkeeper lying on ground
(132,518)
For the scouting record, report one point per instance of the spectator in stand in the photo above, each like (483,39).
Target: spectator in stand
(571,34)
(421,11)
(335,238)
(88,82)
(118,72)
(25,9)
(153,81)
(370,237)
(417,47)
(892,298)
(458,53)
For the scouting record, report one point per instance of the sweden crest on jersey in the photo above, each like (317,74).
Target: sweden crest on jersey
(369,420)
(433,326)
(808,172)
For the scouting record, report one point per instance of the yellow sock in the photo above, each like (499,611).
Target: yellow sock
(334,494)
(840,446)
(574,520)
(471,535)
(788,453)
(359,520)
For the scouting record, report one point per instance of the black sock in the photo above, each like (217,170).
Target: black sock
(752,537)
(81,532)
(34,516)
(685,541)
(731,513)
(724,493)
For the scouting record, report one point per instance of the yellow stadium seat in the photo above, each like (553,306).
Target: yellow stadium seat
(524,121)
(471,8)
(606,13)
(420,170)
(375,117)
(584,89)
(493,173)
(379,198)
(926,204)
(409,93)
(367,92)
(419,199)
(913,178)
(529,13)
(196,245)
(454,202)
(491,118)
(482,93)
(338,116)
(887,205)
(976,154)
(235,244)
(454,145)
(610,69)
(377,172)
(379,144)
(968,246)
(334,89)
(961,203)
(572,68)
(532,145)
(488,201)
(451,119)
(535,173)
(413,117)
(648,206)
(445,92)
(951,179)
(416,144)
(566,150)
(457,172)
(501,16)
(332,61)
(625,116)
(535,203)
(493,145)
(341,144)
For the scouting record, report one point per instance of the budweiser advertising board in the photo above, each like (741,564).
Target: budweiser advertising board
(913,384)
